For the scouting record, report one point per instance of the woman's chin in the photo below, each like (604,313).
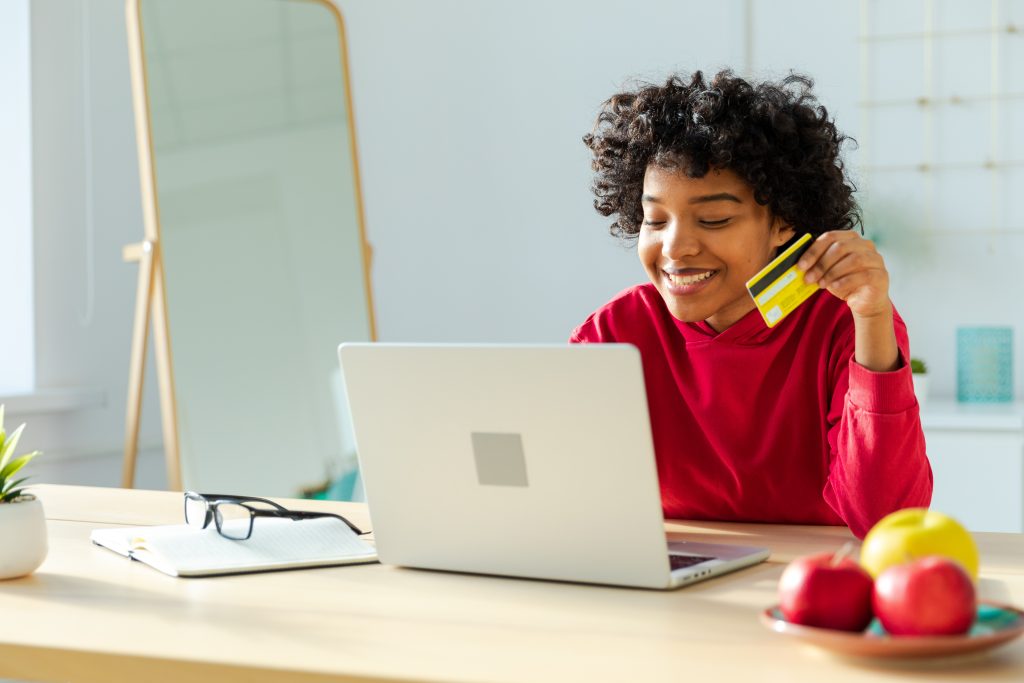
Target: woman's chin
(687,314)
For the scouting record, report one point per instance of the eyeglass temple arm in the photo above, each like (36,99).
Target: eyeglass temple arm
(302,514)
(214,497)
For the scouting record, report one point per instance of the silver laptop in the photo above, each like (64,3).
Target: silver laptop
(528,461)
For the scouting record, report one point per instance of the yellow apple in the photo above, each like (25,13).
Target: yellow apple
(913,533)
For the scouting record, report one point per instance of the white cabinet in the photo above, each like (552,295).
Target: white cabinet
(977,457)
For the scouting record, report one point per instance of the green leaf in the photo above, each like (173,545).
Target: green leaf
(7,486)
(16,464)
(9,447)
(11,495)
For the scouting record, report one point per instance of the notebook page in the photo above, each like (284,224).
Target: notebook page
(274,543)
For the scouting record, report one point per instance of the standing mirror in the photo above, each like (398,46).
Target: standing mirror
(254,265)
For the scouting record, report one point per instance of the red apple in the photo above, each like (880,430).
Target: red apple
(826,591)
(926,597)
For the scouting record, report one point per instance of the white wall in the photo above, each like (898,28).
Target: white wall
(86,205)
(470,117)
(17,371)
(476,183)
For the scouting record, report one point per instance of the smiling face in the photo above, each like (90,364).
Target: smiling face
(702,239)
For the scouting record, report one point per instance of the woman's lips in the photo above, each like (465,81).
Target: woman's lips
(688,281)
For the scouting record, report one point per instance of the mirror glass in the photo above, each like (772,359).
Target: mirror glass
(261,234)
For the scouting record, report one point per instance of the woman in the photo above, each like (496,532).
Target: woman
(812,421)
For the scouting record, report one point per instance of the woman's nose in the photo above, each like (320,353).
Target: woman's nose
(679,242)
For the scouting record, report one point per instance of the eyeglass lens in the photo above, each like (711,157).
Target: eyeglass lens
(234,520)
(195,511)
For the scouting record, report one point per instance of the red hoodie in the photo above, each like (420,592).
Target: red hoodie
(758,424)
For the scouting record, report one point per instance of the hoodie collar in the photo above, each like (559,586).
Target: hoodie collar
(749,330)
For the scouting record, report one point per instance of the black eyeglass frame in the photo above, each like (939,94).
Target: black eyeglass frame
(212,500)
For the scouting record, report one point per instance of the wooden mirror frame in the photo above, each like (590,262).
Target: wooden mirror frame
(150,294)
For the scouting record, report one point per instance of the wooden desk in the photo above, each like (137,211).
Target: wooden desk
(90,615)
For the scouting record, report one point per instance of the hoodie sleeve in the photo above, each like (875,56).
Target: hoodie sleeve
(877,450)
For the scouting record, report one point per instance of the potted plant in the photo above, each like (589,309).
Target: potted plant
(22,523)
(919,373)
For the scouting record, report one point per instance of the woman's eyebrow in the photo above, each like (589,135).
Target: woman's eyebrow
(703,199)
(719,197)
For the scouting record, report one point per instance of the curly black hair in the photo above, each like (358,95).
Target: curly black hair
(776,136)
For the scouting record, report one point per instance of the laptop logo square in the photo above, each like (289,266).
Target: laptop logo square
(499,459)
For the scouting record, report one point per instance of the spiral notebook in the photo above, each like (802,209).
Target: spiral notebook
(181,550)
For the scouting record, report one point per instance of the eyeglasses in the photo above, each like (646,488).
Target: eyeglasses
(233,515)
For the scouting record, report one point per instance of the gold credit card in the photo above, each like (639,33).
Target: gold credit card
(779,288)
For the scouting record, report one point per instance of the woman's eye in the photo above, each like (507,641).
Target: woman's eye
(647,221)
(715,224)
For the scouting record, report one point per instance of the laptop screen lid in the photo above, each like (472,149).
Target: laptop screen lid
(519,460)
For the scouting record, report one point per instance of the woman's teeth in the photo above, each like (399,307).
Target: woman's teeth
(685,280)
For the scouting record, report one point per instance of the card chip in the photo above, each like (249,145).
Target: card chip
(779,288)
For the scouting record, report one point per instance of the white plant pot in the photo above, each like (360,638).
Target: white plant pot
(23,530)
(920,387)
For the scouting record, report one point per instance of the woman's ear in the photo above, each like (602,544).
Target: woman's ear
(782,232)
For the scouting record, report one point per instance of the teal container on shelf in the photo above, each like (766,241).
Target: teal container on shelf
(984,364)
